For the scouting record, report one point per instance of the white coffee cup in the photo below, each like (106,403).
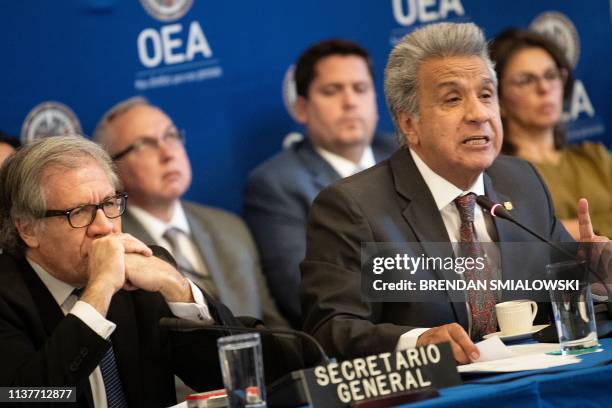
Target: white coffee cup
(516,316)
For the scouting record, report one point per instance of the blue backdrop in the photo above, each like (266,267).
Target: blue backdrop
(218,67)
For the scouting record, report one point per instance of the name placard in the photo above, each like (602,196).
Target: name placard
(384,374)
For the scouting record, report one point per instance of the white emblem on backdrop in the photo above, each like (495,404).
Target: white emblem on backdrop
(581,116)
(289,97)
(49,119)
(167,10)
(176,53)
(289,91)
(560,29)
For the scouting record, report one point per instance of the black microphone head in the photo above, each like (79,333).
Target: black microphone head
(484,202)
(496,209)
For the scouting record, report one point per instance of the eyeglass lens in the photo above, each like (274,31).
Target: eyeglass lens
(85,215)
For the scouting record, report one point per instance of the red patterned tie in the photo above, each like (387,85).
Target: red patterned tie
(482,302)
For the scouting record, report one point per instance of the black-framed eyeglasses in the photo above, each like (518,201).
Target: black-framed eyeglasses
(84,215)
(172,137)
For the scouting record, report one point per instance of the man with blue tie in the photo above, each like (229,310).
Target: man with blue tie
(80,301)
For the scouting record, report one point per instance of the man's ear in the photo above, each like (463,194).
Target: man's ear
(28,232)
(301,113)
(408,126)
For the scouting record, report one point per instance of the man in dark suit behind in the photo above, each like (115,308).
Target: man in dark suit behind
(80,302)
(440,87)
(336,101)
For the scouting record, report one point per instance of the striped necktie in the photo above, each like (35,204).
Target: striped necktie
(115,398)
(185,267)
(481,302)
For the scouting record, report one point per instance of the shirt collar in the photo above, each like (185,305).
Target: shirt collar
(345,167)
(59,290)
(444,192)
(156,227)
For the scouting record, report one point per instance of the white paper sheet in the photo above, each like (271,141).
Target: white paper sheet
(496,357)
(492,349)
(518,363)
(534,348)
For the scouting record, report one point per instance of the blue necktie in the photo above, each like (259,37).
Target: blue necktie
(115,398)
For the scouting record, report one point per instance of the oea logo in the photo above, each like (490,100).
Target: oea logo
(407,12)
(169,45)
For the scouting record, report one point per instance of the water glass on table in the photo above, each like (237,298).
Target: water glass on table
(573,308)
(242,368)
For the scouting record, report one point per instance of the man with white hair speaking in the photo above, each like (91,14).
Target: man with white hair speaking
(441,90)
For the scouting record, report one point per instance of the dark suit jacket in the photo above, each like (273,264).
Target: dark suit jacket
(39,346)
(277,197)
(231,258)
(391,203)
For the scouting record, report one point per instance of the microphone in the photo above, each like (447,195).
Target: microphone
(498,210)
(176,324)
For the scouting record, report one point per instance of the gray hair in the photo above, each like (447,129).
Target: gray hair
(21,190)
(101,134)
(432,41)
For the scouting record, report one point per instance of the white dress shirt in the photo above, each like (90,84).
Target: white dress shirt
(69,303)
(157,228)
(345,167)
(444,193)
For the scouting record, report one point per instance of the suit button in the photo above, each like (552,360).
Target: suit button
(84,351)
(76,363)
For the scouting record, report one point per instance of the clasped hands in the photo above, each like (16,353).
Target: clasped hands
(120,261)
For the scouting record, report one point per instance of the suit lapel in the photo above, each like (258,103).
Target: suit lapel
(126,346)
(130,223)
(420,212)
(503,232)
(323,174)
(422,216)
(48,309)
(508,250)
(50,314)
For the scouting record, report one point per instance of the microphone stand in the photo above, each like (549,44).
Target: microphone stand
(497,210)
(173,323)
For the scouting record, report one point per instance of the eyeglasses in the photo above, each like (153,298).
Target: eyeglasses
(529,81)
(173,138)
(84,215)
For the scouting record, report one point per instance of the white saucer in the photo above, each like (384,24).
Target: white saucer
(518,336)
